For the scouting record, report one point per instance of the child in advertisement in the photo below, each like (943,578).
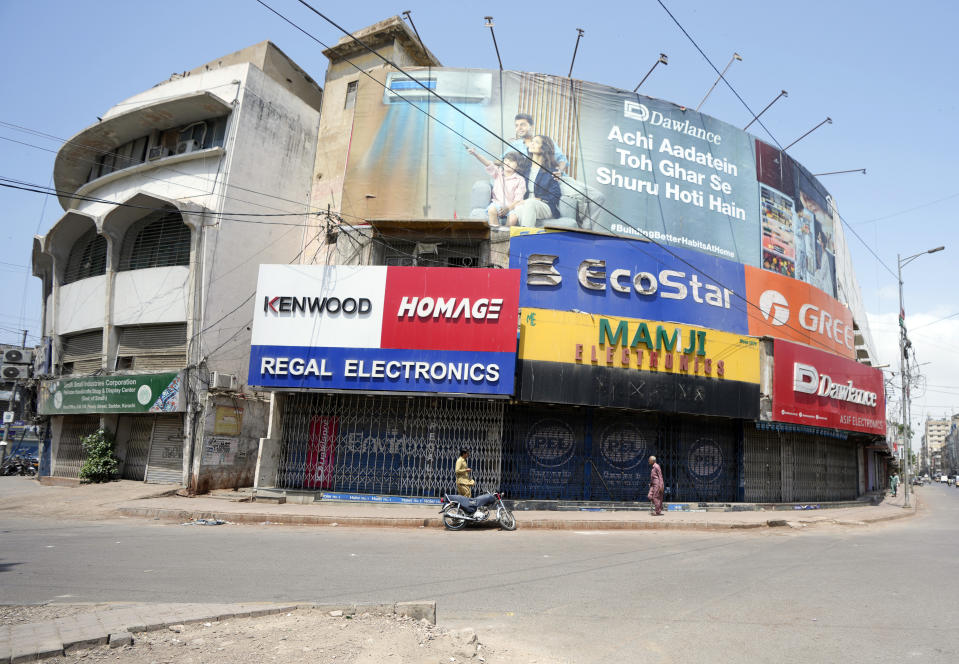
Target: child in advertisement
(509,184)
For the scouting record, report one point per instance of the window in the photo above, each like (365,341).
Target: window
(160,239)
(88,257)
(204,134)
(350,95)
(460,253)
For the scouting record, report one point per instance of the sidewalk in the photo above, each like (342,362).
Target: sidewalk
(23,497)
(117,625)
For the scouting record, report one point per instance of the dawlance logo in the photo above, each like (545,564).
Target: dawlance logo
(775,310)
(807,380)
(634,110)
(287,304)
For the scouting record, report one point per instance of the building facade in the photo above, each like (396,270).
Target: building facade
(168,200)
(688,294)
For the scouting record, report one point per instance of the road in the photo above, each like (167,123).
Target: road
(881,593)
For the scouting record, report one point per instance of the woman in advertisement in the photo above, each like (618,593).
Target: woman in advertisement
(543,191)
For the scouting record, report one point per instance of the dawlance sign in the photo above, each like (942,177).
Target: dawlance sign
(818,388)
(402,329)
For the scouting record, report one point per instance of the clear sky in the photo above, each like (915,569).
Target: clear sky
(885,73)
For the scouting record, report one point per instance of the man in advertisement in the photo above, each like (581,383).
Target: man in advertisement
(657,487)
(524,136)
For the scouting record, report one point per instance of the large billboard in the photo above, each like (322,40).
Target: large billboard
(816,388)
(632,278)
(597,360)
(628,165)
(405,329)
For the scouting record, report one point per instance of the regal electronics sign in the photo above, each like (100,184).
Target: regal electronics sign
(818,388)
(398,329)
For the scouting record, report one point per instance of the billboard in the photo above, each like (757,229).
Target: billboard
(628,164)
(401,329)
(597,360)
(789,309)
(134,393)
(816,388)
(630,278)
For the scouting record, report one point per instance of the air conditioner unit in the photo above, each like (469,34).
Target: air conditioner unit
(454,86)
(222,381)
(12,372)
(17,356)
(187,146)
(158,152)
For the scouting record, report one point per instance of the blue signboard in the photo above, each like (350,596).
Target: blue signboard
(629,278)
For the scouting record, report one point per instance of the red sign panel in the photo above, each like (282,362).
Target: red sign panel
(321,453)
(794,310)
(451,309)
(817,388)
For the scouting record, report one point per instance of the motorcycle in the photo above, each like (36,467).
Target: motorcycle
(19,465)
(459,510)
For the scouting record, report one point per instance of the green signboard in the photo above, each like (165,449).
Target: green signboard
(142,393)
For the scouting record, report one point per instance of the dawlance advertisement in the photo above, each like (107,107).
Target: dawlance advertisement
(400,329)
(817,388)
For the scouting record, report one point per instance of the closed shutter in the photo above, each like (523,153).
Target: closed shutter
(138,445)
(69,455)
(154,347)
(166,450)
(81,353)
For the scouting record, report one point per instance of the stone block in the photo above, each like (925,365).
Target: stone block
(417,610)
(120,639)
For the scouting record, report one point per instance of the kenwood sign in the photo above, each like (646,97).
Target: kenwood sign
(400,329)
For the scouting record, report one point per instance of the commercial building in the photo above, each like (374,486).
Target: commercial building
(681,289)
(168,200)
(688,294)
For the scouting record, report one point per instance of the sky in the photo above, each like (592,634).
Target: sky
(886,77)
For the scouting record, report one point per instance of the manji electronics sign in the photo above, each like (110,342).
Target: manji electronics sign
(817,388)
(402,329)
(599,360)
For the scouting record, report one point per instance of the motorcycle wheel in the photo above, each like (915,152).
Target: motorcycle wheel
(451,521)
(506,520)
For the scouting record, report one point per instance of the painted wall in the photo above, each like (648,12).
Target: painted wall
(153,295)
(82,305)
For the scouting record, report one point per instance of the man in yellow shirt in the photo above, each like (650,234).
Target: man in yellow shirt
(464,485)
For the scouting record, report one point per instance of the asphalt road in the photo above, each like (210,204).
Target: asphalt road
(884,593)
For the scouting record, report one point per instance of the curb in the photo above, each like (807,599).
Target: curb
(166,514)
(33,641)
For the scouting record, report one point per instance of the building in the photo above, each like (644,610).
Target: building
(681,289)
(691,297)
(168,200)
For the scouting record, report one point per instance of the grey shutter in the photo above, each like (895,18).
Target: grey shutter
(138,446)
(166,450)
(154,347)
(70,455)
(84,351)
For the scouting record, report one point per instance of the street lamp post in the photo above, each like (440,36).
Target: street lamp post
(904,344)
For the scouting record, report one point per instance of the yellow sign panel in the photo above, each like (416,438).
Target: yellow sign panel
(597,340)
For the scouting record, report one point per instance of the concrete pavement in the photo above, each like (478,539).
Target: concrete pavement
(119,625)
(21,496)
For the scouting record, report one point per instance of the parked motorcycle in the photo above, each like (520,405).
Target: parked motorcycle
(459,510)
(19,465)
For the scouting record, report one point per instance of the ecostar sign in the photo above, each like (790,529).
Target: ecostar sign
(385,328)
(819,388)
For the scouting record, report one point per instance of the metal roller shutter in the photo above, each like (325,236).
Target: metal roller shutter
(70,456)
(84,352)
(154,347)
(166,450)
(138,446)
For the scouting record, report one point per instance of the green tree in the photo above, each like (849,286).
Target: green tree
(101,464)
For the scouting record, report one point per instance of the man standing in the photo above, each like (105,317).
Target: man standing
(464,485)
(656,487)
(894,483)
(523,123)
